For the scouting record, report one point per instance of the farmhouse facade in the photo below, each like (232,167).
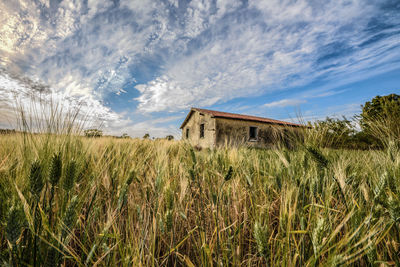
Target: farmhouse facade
(209,128)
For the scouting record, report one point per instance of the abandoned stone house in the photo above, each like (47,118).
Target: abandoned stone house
(209,128)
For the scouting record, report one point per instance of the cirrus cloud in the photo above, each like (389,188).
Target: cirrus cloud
(285,103)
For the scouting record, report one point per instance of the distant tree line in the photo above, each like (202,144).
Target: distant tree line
(99,133)
(93,133)
(7,131)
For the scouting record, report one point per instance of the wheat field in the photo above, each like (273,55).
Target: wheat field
(67,200)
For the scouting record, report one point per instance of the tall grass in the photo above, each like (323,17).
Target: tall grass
(67,200)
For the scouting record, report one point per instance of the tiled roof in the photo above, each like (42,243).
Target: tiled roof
(219,114)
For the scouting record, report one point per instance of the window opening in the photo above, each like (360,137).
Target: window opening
(202,130)
(253,133)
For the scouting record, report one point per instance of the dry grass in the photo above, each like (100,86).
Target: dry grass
(150,203)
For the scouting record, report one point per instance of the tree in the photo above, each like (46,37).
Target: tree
(93,133)
(380,107)
(334,132)
(146,136)
(125,135)
(380,118)
(169,137)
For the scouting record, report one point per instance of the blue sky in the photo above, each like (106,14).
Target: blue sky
(139,65)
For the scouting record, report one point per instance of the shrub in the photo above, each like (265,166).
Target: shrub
(93,133)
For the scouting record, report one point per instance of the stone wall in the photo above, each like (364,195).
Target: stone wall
(237,132)
(193,125)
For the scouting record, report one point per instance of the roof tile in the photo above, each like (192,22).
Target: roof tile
(220,114)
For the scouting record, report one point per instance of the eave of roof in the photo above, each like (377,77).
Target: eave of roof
(187,118)
(226,115)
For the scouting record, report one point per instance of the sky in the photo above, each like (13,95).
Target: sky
(137,66)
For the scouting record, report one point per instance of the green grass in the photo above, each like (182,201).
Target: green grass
(75,201)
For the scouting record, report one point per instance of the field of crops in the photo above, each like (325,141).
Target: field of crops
(75,201)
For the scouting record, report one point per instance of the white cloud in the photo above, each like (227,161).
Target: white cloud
(285,103)
(196,53)
(336,111)
(283,47)
(38,101)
